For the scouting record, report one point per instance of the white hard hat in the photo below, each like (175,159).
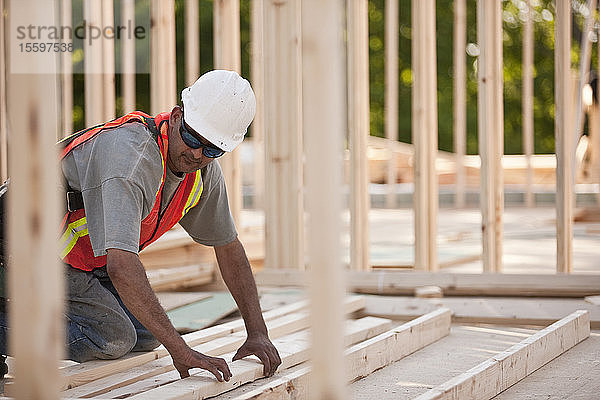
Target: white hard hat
(220,106)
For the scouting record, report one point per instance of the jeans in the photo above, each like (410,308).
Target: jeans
(98,323)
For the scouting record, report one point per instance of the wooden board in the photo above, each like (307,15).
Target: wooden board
(501,310)
(277,328)
(405,282)
(293,349)
(172,300)
(86,372)
(364,358)
(498,373)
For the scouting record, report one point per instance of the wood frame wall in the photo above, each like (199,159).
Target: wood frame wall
(283,197)
(324,129)
(36,309)
(358,131)
(227,55)
(424,133)
(490,127)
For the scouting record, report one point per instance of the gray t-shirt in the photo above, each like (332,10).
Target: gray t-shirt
(119,173)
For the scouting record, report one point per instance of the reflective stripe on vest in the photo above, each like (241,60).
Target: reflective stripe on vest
(74,231)
(194,194)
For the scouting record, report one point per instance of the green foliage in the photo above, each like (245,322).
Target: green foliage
(512,54)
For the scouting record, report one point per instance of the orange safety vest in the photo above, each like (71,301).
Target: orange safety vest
(75,246)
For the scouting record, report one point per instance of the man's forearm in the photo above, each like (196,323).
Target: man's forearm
(238,277)
(129,278)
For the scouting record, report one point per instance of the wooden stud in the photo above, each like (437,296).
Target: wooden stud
(563,138)
(391,95)
(584,71)
(498,373)
(595,134)
(163,83)
(324,129)
(108,61)
(424,128)
(284,206)
(3,107)
(358,132)
(35,282)
(257,77)
(491,130)
(293,349)
(528,133)
(404,283)
(66,77)
(128,58)
(192,41)
(93,64)
(460,100)
(227,55)
(364,358)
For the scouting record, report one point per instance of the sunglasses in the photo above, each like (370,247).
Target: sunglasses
(194,142)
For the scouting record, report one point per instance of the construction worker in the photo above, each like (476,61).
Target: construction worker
(128,182)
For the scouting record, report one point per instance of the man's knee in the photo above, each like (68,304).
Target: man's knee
(146,344)
(88,342)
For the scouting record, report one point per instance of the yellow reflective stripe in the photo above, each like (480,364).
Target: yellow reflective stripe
(195,193)
(74,231)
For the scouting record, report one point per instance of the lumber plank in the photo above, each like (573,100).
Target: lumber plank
(80,374)
(405,282)
(293,349)
(276,328)
(366,357)
(498,373)
(169,278)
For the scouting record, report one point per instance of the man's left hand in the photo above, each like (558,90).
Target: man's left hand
(262,348)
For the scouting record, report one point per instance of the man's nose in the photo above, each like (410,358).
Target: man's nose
(197,153)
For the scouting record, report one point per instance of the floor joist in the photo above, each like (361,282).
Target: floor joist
(293,350)
(366,357)
(498,373)
(80,374)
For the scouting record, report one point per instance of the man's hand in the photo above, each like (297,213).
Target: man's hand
(262,348)
(193,359)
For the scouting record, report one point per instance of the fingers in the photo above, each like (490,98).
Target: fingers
(219,368)
(264,358)
(241,353)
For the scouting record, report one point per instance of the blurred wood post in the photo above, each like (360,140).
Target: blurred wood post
(163,83)
(491,130)
(3,110)
(424,133)
(93,65)
(66,74)
(563,131)
(128,58)
(528,136)
(391,97)
(108,60)
(324,129)
(257,80)
(227,55)
(595,135)
(358,132)
(284,205)
(460,100)
(584,71)
(35,283)
(192,42)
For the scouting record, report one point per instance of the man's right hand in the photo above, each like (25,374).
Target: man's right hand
(192,359)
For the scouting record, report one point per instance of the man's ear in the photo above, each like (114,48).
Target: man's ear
(176,113)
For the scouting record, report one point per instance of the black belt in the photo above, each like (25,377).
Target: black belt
(74,201)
